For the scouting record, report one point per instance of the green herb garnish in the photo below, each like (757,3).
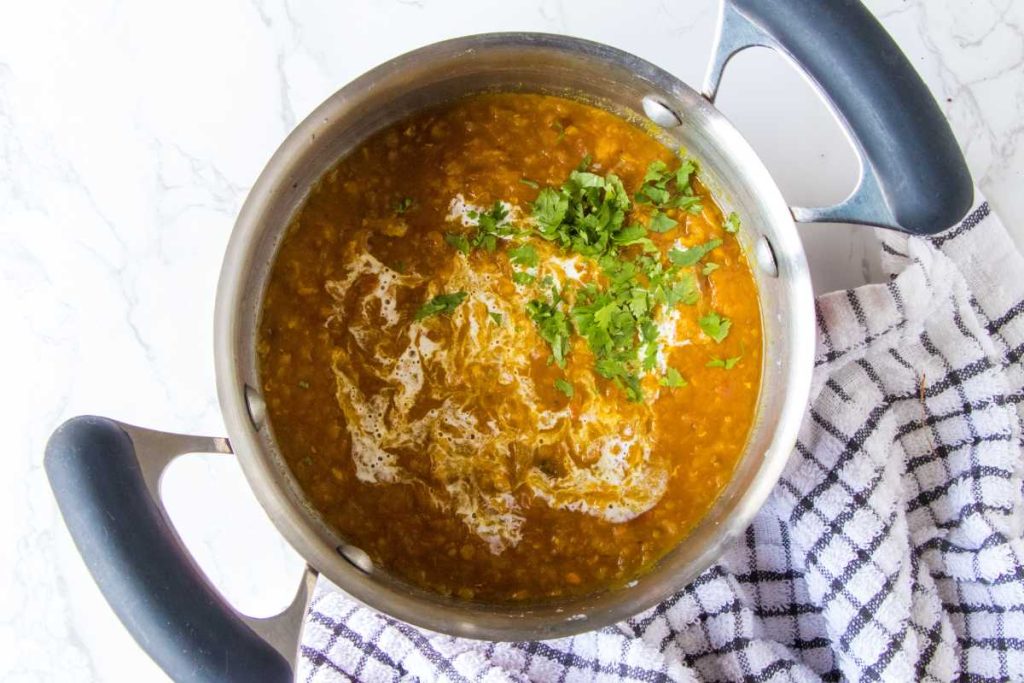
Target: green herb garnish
(552,326)
(525,256)
(529,183)
(564,386)
(403,205)
(661,223)
(727,363)
(672,379)
(521,278)
(709,268)
(440,304)
(585,214)
(460,242)
(498,318)
(715,326)
(690,256)
(669,189)
(490,225)
(732,223)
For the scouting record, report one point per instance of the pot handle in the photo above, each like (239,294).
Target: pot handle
(105,476)
(913,174)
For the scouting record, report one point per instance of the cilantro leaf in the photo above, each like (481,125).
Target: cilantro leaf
(732,223)
(549,210)
(715,326)
(557,126)
(460,242)
(498,318)
(691,205)
(631,234)
(683,173)
(656,189)
(564,386)
(529,183)
(709,268)
(525,256)
(656,172)
(403,205)
(690,256)
(661,223)
(684,290)
(440,304)
(726,363)
(522,278)
(652,194)
(552,326)
(672,379)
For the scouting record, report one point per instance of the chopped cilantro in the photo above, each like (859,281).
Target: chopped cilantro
(727,363)
(690,256)
(652,194)
(564,386)
(732,223)
(585,214)
(661,223)
(403,205)
(656,172)
(521,278)
(525,256)
(683,291)
(303,384)
(672,379)
(656,188)
(557,125)
(617,315)
(683,173)
(689,204)
(715,326)
(490,225)
(460,242)
(709,268)
(552,326)
(442,303)
(631,234)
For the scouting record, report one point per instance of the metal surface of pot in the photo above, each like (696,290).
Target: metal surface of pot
(889,194)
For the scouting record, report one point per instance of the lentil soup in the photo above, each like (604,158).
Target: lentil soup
(511,348)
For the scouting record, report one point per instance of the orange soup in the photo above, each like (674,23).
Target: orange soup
(511,348)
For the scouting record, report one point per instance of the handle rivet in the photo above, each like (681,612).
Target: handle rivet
(660,113)
(764,252)
(257,407)
(357,557)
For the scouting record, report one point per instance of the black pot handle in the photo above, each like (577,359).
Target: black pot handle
(105,477)
(913,174)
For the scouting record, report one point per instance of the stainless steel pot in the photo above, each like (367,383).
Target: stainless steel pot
(912,178)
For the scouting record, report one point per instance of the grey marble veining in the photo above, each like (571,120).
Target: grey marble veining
(129,135)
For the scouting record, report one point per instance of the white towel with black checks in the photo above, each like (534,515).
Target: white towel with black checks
(891,549)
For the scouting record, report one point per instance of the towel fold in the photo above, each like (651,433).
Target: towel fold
(891,548)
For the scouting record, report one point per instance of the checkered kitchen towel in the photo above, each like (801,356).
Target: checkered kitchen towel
(891,549)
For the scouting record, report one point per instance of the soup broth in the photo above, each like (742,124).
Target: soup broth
(511,348)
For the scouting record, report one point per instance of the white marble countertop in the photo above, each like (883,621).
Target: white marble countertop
(129,136)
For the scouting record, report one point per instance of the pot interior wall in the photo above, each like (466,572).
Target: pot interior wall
(532,63)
